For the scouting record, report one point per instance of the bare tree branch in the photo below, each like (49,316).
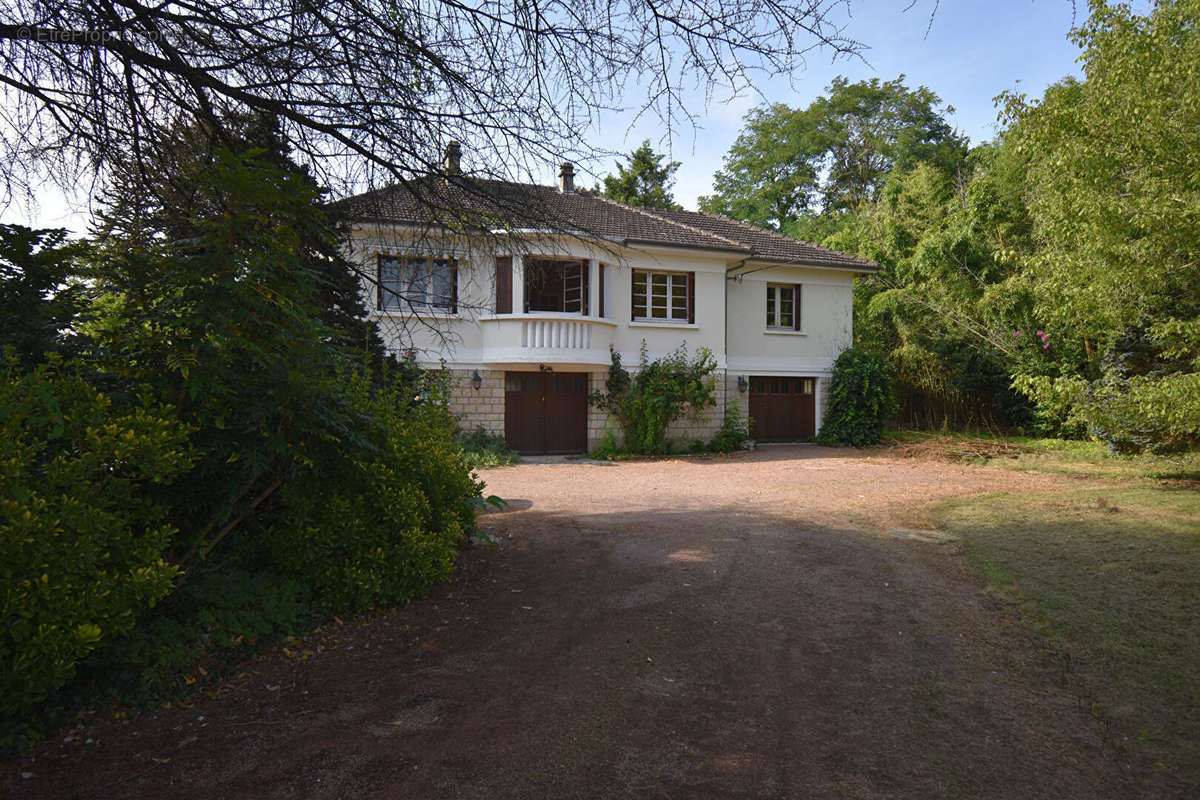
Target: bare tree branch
(368,91)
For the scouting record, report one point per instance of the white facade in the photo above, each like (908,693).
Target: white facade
(728,313)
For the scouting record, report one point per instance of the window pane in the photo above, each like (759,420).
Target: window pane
(416,282)
(442,284)
(390,283)
(639,294)
(679,297)
(512,383)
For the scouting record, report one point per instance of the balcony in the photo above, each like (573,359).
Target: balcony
(546,338)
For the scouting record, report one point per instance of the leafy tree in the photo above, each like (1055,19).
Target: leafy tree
(643,181)
(790,165)
(771,173)
(38,291)
(1114,197)
(140,208)
(211,306)
(946,300)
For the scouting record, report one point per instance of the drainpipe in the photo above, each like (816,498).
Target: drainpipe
(729,277)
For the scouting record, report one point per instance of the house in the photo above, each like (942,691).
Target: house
(521,291)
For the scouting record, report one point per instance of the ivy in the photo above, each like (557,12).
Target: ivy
(860,399)
(645,403)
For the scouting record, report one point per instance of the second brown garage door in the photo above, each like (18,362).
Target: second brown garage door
(545,412)
(782,409)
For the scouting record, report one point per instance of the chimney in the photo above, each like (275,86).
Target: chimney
(452,161)
(566,178)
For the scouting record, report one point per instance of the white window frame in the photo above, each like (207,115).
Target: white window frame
(672,278)
(399,296)
(775,316)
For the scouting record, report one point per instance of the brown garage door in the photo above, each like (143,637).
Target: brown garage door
(782,409)
(545,412)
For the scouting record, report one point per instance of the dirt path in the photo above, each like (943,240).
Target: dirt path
(718,628)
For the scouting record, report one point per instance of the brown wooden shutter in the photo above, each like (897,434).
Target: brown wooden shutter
(600,289)
(796,307)
(691,286)
(504,279)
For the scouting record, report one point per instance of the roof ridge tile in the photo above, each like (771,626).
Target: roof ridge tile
(650,213)
(784,237)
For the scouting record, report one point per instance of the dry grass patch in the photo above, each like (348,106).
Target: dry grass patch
(1111,576)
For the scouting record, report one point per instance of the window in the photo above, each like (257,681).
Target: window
(418,283)
(783,307)
(663,296)
(556,285)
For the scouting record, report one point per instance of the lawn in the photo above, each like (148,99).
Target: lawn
(1111,577)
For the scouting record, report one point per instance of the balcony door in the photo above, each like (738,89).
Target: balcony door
(556,285)
(545,412)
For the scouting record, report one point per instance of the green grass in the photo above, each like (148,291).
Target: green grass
(1061,456)
(1111,577)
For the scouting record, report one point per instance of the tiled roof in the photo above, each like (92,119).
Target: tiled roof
(467,204)
(766,245)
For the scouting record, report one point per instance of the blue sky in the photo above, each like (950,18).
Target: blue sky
(973,51)
(970,52)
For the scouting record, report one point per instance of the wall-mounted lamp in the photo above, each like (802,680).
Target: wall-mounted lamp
(742,384)
(476,380)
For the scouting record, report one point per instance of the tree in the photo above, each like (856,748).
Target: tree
(1114,197)
(210,306)
(643,181)
(141,206)
(947,299)
(37,291)
(791,165)
(372,89)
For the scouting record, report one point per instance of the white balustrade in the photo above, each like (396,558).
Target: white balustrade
(558,334)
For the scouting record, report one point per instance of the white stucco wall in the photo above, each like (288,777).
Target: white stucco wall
(826,313)
(730,314)
(475,336)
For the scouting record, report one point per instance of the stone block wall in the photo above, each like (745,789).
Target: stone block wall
(475,407)
(598,421)
(485,407)
(680,432)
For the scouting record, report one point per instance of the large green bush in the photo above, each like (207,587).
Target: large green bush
(82,543)
(659,393)
(228,441)
(384,525)
(860,399)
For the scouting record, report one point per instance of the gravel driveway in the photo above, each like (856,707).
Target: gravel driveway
(737,627)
